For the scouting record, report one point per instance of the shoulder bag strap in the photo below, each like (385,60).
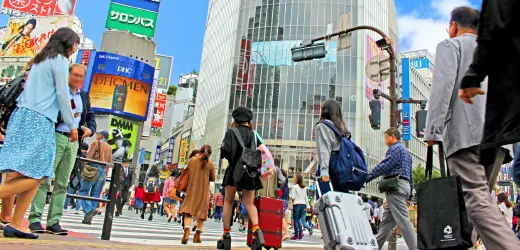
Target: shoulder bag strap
(99,151)
(331,126)
(429,163)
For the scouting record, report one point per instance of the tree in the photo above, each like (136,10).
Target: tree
(172,90)
(195,72)
(418,174)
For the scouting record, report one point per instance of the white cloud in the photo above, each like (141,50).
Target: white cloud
(418,32)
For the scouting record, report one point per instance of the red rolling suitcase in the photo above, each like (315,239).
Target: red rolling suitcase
(270,216)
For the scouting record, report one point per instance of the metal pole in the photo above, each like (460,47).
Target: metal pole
(137,152)
(109,212)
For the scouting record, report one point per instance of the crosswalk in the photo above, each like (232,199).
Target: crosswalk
(130,228)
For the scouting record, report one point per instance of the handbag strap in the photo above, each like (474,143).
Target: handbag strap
(445,171)
(98,151)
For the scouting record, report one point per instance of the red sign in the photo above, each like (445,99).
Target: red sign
(42,7)
(406,122)
(158,113)
(244,67)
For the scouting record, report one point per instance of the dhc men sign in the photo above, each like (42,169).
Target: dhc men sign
(120,85)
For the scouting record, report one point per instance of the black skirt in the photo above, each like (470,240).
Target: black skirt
(228,180)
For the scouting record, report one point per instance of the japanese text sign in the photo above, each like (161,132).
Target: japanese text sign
(160,107)
(42,7)
(137,21)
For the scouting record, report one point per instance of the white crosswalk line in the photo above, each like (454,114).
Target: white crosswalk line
(131,229)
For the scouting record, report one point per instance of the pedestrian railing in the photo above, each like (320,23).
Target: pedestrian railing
(112,192)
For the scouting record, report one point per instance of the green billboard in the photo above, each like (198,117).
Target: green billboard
(137,21)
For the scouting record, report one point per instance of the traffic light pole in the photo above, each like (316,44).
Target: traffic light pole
(386,44)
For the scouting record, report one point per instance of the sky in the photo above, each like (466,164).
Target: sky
(180,29)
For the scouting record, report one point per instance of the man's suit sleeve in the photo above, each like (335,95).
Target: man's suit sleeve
(91,119)
(444,78)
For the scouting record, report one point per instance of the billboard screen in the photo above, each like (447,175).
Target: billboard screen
(158,113)
(164,64)
(137,21)
(120,85)
(27,36)
(42,7)
(122,137)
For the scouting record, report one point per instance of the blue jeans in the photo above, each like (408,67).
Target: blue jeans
(298,212)
(67,200)
(94,188)
(218,213)
(304,221)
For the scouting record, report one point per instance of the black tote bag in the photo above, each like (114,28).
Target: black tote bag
(442,220)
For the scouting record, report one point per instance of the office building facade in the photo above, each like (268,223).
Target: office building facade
(246,60)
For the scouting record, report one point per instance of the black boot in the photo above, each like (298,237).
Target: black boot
(225,242)
(258,241)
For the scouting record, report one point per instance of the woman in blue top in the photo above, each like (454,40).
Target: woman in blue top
(30,144)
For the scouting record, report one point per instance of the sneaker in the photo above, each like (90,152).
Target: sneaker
(36,228)
(310,231)
(57,230)
(89,216)
(295,237)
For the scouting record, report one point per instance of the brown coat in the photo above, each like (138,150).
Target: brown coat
(197,198)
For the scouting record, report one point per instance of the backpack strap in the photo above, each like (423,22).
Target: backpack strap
(336,131)
(241,140)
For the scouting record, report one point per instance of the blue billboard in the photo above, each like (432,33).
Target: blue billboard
(421,63)
(406,118)
(150,5)
(120,85)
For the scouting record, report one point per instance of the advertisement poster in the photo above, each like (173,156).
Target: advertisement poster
(243,82)
(371,51)
(8,71)
(158,113)
(42,7)
(164,64)
(122,137)
(137,21)
(183,152)
(120,85)
(158,154)
(27,36)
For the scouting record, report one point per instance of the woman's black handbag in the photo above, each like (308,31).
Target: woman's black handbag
(442,219)
(246,171)
(9,93)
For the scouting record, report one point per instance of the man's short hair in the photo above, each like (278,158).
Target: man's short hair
(76,65)
(466,17)
(393,132)
(84,146)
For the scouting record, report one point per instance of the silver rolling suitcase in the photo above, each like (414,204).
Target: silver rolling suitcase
(343,223)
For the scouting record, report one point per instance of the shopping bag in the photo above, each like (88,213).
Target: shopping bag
(442,220)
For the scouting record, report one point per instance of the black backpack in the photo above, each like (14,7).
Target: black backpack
(516,211)
(246,171)
(9,93)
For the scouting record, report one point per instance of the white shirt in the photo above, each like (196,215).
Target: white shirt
(367,208)
(299,195)
(381,212)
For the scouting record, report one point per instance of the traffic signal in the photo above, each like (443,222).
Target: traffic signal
(375,114)
(420,126)
(308,52)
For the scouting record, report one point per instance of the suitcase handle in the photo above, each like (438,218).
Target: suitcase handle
(318,187)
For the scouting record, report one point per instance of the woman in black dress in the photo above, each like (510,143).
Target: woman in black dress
(232,151)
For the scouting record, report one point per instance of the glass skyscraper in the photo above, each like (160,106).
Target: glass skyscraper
(246,60)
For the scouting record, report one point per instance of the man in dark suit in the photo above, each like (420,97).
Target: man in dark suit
(124,190)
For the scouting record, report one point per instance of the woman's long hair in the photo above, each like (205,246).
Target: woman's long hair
(286,177)
(205,152)
(331,110)
(194,153)
(60,43)
(503,198)
(299,181)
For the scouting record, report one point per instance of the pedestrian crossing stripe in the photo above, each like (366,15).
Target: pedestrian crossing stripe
(136,230)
